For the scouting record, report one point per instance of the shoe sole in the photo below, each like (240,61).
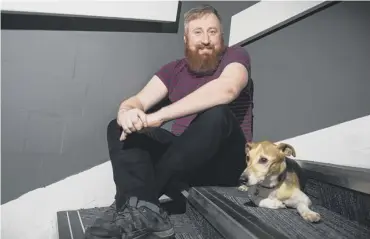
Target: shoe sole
(161,235)
(170,233)
(164,234)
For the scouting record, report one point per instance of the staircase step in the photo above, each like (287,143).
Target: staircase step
(228,210)
(349,203)
(225,212)
(188,225)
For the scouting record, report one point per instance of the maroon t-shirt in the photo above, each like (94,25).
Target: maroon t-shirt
(181,82)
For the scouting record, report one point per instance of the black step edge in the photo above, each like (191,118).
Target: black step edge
(231,220)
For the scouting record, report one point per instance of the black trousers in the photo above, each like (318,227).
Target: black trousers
(209,152)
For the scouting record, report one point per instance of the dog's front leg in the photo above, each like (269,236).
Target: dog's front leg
(271,203)
(301,202)
(307,213)
(243,188)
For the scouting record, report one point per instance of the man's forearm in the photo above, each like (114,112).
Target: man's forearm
(209,95)
(131,103)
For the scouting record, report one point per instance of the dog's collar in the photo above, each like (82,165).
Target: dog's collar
(283,174)
(259,192)
(281,177)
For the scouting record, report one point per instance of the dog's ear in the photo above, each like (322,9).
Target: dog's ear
(287,149)
(248,147)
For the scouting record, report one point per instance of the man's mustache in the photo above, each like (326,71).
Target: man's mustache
(201,47)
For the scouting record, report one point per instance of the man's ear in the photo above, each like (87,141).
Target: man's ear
(286,149)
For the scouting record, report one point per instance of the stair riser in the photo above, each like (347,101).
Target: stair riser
(205,229)
(351,204)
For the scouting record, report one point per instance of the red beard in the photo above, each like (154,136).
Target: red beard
(206,62)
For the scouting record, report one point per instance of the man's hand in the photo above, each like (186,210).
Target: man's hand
(155,119)
(131,120)
(131,116)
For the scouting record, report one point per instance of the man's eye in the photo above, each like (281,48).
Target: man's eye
(262,160)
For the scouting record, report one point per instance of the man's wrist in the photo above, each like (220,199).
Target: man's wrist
(124,108)
(163,114)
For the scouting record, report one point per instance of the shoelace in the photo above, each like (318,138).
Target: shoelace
(124,214)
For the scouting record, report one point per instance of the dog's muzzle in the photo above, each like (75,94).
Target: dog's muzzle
(243,179)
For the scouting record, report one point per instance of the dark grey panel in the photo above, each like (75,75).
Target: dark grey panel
(59,92)
(312,74)
(76,224)
(64,225)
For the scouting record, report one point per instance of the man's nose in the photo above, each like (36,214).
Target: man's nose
(205,39)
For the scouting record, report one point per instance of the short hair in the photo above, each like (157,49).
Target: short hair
(199,12)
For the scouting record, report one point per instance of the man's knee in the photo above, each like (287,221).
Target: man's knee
(219,113)
(112,126)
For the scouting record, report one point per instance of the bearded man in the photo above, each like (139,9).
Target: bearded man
(211,109)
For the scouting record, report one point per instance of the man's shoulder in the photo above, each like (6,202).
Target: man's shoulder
(167,72)
(175,64)
(236,54)
(236,50)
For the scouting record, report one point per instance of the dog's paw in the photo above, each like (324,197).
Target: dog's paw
(273,204)
(243,188)
(311,216)
(278,204)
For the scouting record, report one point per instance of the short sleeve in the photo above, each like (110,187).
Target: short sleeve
(166,73)
(240,55)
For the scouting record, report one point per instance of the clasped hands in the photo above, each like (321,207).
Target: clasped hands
(133,120)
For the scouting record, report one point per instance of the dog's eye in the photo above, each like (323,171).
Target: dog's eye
(263,160)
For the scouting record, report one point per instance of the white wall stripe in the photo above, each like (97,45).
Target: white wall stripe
(91,188)
(82,225)
(69,225)
(165,11)
(346,144)
(266,16)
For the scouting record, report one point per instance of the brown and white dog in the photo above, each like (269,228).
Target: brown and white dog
(272,180)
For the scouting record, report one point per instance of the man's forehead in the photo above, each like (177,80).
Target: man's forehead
(205,21)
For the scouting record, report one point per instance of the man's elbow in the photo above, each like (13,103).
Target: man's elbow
(232,91)
(230,94)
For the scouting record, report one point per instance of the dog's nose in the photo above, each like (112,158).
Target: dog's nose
(243,179)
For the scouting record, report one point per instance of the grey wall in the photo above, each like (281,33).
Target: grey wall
(59,91)
(61,88)
(312,74)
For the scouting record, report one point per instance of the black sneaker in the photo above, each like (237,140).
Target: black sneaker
(98,229)
(135,220)
(108,215)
